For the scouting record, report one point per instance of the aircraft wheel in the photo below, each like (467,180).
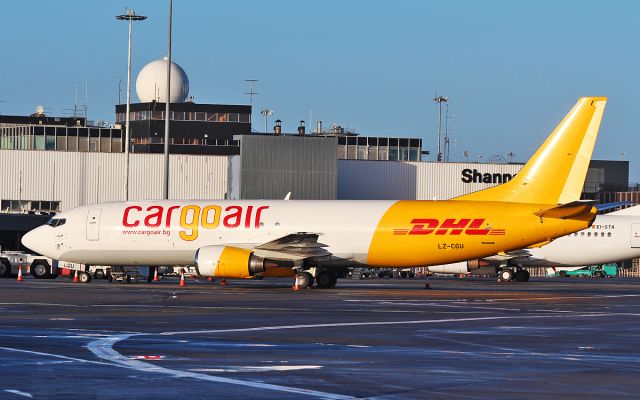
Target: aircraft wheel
(5,268)
(527,276)
(304,280)
(84,277)
(505,275)
(100,274)
(598,274)
(326,280)
(520,275)
(323,280)
(334,280)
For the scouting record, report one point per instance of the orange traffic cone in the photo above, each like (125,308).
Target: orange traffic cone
(296,287)
(20,273)
(182,279)
(155,275)
(210,279)
(75,278)
(223,282)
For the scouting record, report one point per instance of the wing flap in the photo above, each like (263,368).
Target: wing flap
(295,245)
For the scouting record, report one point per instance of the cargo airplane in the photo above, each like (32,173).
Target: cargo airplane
(316,239)
(612,237)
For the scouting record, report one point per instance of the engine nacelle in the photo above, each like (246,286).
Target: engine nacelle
(463,267)
(228,262)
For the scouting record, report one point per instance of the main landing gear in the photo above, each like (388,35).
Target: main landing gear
(324,279)
(506,274)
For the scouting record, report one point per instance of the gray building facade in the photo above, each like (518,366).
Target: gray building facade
(269,167)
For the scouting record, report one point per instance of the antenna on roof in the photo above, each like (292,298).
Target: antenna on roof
(251,92)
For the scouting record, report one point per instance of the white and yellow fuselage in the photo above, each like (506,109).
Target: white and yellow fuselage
(378,233)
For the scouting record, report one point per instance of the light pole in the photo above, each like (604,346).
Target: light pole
(266,113)
(165,184)
(447,141)
(130,16)
(440,100)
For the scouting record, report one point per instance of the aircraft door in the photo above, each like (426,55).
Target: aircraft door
(93,224)
(635,235)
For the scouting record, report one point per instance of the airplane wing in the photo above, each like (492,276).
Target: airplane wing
(294,246)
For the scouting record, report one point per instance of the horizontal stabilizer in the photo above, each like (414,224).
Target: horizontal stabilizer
(569,210)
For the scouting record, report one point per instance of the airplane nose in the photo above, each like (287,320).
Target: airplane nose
(35,240)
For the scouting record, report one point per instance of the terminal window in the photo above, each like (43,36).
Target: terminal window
(29,205)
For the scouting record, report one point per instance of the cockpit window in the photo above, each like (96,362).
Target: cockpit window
(56,222)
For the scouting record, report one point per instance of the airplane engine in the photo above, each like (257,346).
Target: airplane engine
(228,262)
(463,267)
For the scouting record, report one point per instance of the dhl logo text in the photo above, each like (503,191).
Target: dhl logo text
(450,226)
(193,218)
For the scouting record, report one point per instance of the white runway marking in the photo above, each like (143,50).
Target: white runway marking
(257,368)
(19,393)
(54,355)
(377,323)
(470,306)
(103,348)
(603,296)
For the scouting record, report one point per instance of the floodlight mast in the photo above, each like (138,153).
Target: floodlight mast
(130,16)
(266,113)
(440,100)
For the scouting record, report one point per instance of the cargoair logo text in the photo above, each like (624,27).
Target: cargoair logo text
(450,226)
(193,218)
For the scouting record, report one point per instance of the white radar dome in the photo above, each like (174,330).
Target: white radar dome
(151,84)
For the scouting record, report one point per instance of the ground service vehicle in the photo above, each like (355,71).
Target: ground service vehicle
(38,266)
(593,271)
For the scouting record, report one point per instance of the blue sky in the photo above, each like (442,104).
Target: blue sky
(511,68)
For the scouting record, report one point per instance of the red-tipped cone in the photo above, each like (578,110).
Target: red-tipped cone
(210,279)
(20,273)
(296,287)
(155,275)
(75,278)
(182,279)
(223,282)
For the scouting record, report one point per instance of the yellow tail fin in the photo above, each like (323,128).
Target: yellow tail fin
(556,172)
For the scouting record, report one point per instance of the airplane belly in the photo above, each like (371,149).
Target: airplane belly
(129,257)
